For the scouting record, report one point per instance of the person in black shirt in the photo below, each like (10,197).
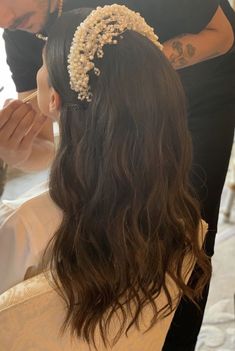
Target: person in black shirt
(198,38)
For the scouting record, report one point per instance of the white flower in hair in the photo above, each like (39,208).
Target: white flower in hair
(101,27)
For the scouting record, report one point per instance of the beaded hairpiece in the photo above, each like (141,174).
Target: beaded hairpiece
(98,29)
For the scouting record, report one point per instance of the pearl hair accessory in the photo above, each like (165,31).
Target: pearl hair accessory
(101,27)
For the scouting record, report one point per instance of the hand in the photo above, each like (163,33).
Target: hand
(19,126)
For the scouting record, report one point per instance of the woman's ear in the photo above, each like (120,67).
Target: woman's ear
(55,103)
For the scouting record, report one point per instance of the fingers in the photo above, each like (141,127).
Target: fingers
(19,122)
(23,127)
(11,105)
(7,102)
(6,112)
(16,120)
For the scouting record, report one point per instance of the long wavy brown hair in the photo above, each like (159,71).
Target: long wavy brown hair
(121,179)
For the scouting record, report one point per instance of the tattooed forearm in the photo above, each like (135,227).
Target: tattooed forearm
(189,49)
(182,53)
(215,54)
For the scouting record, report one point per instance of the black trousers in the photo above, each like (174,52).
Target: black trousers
(212,137)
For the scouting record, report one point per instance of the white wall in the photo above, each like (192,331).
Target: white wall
(5,75)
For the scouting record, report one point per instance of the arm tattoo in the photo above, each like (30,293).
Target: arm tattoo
(181,53)
(190,50)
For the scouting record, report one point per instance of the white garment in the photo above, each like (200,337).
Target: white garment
(32,314)
(27,224)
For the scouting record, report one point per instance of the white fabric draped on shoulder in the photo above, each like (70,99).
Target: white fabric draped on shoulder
(26,226)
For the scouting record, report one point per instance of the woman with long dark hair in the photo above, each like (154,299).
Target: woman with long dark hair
(131,231)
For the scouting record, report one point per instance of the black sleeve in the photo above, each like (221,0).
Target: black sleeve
(175,17)
(199,13)
(23,52)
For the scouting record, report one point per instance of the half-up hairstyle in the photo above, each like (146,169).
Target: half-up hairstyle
(120,178)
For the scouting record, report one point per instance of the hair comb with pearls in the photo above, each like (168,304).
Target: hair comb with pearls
(101,27)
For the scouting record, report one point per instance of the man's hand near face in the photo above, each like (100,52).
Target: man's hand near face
(26,136)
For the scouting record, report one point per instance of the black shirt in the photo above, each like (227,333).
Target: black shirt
(169,18)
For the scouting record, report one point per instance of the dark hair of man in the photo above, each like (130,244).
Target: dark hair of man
(120,178)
